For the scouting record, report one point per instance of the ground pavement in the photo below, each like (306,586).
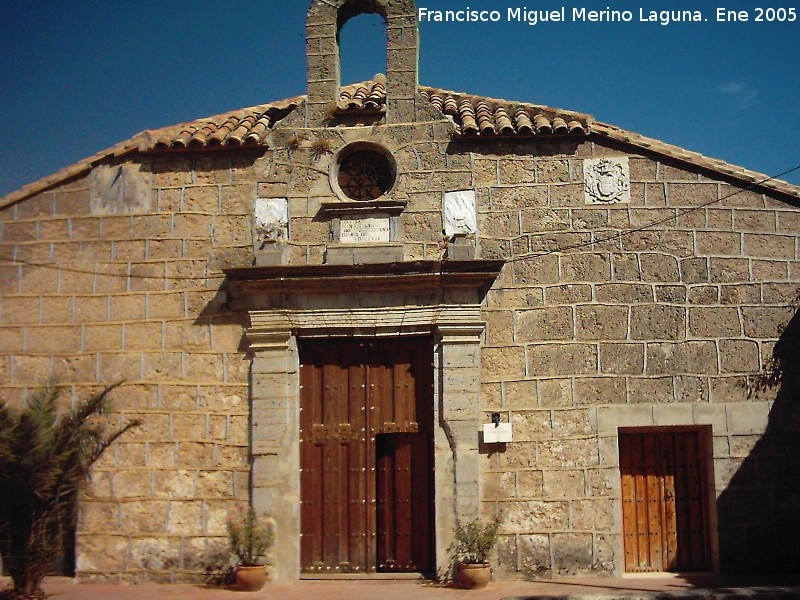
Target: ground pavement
(629,588)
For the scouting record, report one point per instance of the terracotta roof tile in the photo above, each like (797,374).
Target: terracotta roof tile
(523,121)
(504,125)
(473,116)
(370,95)
(245,127)
(241,128)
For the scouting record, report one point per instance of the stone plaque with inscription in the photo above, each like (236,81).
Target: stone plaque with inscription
(361,231)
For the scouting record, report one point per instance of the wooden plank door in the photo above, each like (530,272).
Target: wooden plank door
(365,451)
(404,446)
(664,501)
(333,459)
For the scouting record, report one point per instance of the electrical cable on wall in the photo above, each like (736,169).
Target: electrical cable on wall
(618,235)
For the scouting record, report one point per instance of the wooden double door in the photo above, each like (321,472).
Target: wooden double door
(366,429)
(665,502)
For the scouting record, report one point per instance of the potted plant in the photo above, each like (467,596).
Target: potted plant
(250,538)
(473,544)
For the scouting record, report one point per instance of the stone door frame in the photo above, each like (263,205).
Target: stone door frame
(274,435)
(653,417)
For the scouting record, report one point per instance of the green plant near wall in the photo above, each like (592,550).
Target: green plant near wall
(250,537)
(45,457)
(474,541)
(781,362)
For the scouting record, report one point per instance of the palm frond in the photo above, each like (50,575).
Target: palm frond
(8,423)
(45,456)
(36,422)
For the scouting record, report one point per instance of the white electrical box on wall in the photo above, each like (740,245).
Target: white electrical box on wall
(496,433)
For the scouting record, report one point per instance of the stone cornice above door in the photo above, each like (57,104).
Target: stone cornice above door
(362,300)
(453,323)
(427,283)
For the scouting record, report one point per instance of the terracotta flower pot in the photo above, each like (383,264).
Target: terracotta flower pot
(474,576)
(251,579)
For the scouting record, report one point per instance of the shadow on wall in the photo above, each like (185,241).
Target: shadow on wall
(759,510)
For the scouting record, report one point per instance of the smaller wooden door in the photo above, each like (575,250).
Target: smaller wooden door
(403,503)
(664,501)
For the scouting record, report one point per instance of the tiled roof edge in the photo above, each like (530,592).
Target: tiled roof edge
(500,101)
(74,170)
(144,141)
(753,178)
(249,127)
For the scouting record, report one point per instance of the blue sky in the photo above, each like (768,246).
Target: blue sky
(80,76)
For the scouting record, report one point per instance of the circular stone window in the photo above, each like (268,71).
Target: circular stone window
(363,172)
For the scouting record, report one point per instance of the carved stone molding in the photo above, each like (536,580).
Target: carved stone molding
(272,332)
(286,282)
(454,323)
(462,332)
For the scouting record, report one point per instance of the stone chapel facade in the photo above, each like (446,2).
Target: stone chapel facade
(320,304)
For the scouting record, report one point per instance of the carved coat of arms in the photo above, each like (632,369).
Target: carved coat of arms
(606,180)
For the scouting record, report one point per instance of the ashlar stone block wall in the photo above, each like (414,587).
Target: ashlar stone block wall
(586,330)
(135,296)
(590,330)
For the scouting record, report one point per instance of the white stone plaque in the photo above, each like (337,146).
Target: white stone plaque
(500,432)
(359,231)
(459,213)
(272,219)
(606,180)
